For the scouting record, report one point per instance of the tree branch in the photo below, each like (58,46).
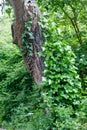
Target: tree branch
(74,24)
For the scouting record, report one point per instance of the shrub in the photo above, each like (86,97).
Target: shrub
(61,78)
(62,84)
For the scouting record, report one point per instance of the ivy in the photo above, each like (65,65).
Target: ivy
(60,74)
(27,38)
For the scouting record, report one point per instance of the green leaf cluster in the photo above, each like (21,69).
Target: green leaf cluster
(61,76)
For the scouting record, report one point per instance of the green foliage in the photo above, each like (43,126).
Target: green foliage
(15,86)
(63,21)
(61,77)
(57,103)
(15,82)
(62,83)
(81,62)
(27,38)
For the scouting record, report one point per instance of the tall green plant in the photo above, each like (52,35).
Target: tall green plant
(60,72)
(62,83)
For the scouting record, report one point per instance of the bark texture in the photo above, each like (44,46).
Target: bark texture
(24,11)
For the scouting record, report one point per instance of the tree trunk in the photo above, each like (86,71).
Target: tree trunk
(24,11)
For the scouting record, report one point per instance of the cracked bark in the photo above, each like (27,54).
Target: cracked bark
(36,65)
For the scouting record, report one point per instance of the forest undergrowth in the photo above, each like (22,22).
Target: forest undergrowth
(60,101)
